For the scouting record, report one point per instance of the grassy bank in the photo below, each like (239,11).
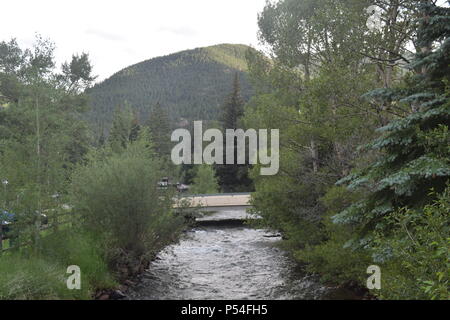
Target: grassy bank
(29,275)
(42,276)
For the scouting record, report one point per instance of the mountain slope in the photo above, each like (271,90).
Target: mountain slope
(191,84)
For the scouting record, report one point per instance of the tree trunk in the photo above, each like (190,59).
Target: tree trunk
(314,155)
(38,152)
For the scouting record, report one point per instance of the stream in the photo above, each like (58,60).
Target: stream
(226,262)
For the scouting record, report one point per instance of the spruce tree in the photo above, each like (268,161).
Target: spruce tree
(135,128)
(159,126)
(414,153)
(234,107)
(233,177)
(120,132)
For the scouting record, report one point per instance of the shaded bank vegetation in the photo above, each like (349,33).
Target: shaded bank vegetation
(364,140)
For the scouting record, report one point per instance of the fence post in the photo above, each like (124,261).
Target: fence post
(4,183)
(55,221)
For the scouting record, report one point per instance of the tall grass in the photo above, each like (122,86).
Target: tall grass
(27,276)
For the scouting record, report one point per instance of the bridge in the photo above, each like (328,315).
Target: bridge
(224,209)
(214,200)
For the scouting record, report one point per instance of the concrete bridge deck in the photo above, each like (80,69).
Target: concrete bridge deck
(215,200)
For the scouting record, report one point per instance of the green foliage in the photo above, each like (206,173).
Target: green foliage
(42,135)
(419,252)
(159,125)
(121,130)
(230,55)
(287,207)
(413,150)
(121,216)
(30,277)
(233,177)
(334,263)
(312,90)
(78,73)
(75,246)
(319,125)
(190,84)
(205,181)
(330,258)
(233,108)
(33,278)
(118,198)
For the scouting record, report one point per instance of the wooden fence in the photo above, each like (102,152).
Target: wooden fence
(15,231)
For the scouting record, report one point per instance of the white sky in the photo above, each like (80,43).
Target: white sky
(117,34)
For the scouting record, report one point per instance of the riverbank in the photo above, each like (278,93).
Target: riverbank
(206,261)
(129,274)
(337,290)
(228,261)
(29,274)
(207,255)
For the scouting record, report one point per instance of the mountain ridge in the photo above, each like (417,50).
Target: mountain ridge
(192,84)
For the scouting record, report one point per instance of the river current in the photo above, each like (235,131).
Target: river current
(226,262)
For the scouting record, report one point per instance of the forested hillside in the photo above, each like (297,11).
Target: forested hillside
(190,84)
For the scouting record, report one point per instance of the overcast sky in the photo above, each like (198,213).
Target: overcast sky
(117,34)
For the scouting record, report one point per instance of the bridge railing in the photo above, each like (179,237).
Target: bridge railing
(216,194)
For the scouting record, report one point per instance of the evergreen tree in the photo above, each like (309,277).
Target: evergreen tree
(159,125)
(205,181)
(233,177)
(120,132)
(414,154)
(101,140)
(135,128)
(233,109)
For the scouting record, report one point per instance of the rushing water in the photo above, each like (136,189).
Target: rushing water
(225,262)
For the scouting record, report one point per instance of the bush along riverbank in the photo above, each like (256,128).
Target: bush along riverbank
(123,220)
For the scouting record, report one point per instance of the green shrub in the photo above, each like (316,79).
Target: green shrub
(331,258)
(335,263)
(416,254)
(118,199)
(205,181)
(77,247)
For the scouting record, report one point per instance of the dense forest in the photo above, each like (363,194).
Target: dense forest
(190,85)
